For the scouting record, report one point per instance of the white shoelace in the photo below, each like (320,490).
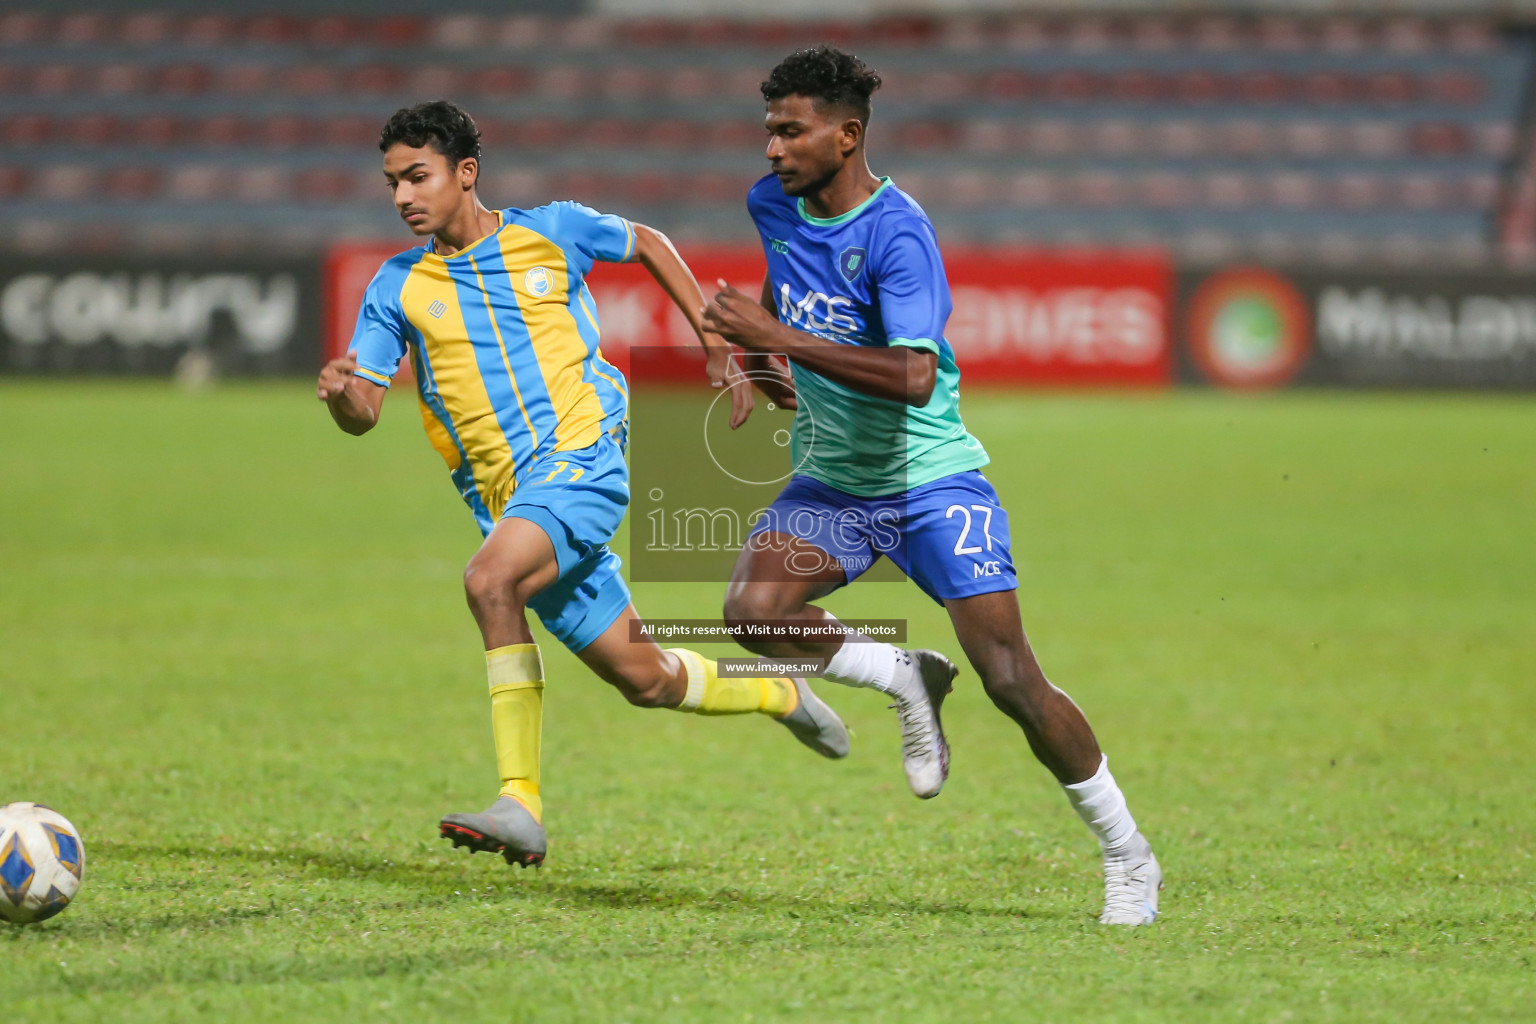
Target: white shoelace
(1125,887)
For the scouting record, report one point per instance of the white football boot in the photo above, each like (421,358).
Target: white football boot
(1131,884)
(923,680)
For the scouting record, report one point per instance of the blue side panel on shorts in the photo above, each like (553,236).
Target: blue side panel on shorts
(951,536)
(578,499)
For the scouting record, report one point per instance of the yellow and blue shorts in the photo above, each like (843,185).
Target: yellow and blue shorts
(578,498)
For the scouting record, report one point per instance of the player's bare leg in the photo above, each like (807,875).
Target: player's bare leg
(776,578)
(990,632)
(625,656)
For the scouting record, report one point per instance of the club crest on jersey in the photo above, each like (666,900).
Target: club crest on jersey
(538,281)
(851,261)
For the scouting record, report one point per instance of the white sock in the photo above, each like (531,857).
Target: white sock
(864,662)
(1101,805)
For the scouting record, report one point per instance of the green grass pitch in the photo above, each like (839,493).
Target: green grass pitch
(234,650)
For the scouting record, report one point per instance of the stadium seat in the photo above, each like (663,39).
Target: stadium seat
(65,182)
(89,130)
(182,79)
(121,79)
(132,184)
(208,30)
(81,29)
(22,130)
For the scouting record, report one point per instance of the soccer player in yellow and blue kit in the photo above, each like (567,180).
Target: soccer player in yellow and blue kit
(502,333)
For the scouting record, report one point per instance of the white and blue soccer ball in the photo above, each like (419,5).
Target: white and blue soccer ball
(41,862)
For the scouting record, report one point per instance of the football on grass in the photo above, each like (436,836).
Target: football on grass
(41,862)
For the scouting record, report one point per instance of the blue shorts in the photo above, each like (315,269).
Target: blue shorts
(578,498)
(949,536)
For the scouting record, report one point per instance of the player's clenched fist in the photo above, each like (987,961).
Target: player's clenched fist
(336,375)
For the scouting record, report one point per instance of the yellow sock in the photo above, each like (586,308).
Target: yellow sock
(516,675)
(708,694)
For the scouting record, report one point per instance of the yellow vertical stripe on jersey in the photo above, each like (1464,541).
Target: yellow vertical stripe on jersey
(506,360)
(557,342)
(451,357)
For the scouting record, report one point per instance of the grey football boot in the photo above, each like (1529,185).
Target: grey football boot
(506,827)
(815,724)
(924,751)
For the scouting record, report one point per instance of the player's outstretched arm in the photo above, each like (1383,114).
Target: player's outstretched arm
(354,402)
(899,373)
(654,251)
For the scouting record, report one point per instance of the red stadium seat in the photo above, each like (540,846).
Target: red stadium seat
(1462,87)
(197,183)
(1247,137)
(1263,87)
(1295,190)
(333,30)
(22,27)
(287,131)
(1218,35)
(1032,189)
(399,30)
(459,32)
(584,33)
(1358,191)
(1330,88)
(146,29)
(626,83)
(690,84)
(501,82)
(674,133)
(1227,190)
(322,184)
(55,79)
(1073,86)
(920,135)
(972,188)
(544,133)
(1181,137)
(352,131)
(561,82)
(1154,35)
(154,130)
(1136,87)
(1054,138)
(81,29)
(437,81)
(208,30)
(1199,87)
(91,130)
(1164,189)
(1116,137)
(1440,138)
(1098,189)
(311,79)
(1407,36)
(272,30)
(1378,139)
(65,182)
(1392,87)
(518,187)
(13,181)
(1312,138)
(1424,191)
(1495,139)
(183,79)
(121,79)
(373,80)
(222,130)
(131,184)
(244,79)
(524,33)
(23,130)
(263,184)
(612,132)
(1284,34)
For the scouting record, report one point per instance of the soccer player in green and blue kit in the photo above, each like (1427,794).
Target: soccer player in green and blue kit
(856,298)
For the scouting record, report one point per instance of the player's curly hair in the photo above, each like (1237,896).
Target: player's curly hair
(450,131)
(831,77)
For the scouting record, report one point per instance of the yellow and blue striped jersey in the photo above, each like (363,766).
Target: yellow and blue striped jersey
(503,338)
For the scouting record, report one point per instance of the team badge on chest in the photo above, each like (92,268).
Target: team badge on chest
(851,262)
(538,281)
